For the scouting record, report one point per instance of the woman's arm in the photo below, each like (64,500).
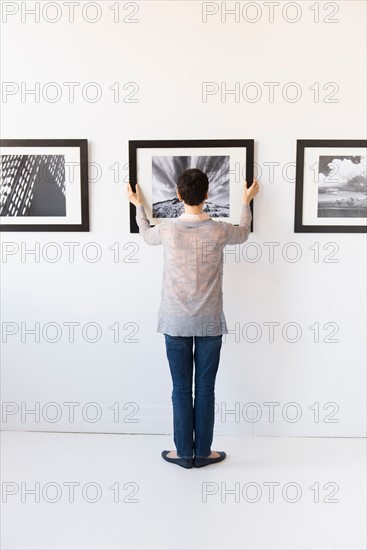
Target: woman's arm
(240,234)
(237,235)
(150,234)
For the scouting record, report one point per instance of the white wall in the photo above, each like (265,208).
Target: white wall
(169,53)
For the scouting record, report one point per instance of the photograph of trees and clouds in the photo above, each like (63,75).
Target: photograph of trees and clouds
(342,190)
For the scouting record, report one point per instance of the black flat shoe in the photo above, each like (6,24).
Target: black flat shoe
(199,462)
(184,462)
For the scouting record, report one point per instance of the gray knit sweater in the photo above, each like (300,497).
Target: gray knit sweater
(191,294)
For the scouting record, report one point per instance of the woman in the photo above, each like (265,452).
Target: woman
(191,309)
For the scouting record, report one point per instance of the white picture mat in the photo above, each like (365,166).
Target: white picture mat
(310,185)
(237,175)
(72,186)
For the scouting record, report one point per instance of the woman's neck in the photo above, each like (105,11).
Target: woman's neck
(197,209)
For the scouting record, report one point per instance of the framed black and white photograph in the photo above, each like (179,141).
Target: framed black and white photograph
(331,186)
(157,164)
(44,185)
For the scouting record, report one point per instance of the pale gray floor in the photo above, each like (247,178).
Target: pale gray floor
(172,511)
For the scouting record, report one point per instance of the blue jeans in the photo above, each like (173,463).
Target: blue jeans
(193,418)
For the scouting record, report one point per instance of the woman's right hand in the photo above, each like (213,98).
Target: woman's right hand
(135,198)
(250,192)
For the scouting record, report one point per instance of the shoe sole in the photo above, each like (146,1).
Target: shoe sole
(200,462)
(183,462)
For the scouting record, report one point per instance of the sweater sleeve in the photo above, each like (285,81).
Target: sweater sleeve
(237,235)
(150,234)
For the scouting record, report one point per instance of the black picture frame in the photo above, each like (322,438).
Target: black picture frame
(135,145)
(302,145)
(82,145)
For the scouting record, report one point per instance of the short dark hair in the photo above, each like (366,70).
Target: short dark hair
(193,185)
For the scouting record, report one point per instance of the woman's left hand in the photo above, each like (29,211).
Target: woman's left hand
(135,198)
